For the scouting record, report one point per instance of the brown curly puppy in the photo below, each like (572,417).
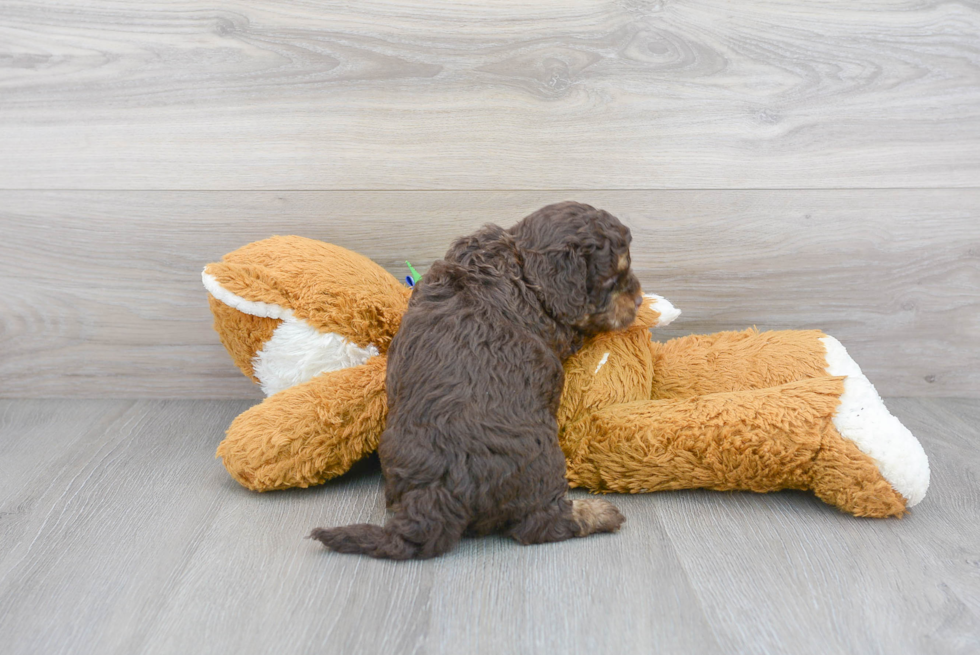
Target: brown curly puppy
(474,380)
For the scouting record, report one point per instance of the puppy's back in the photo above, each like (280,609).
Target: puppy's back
(470,384)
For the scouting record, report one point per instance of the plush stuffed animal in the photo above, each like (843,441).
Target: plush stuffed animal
(760,411)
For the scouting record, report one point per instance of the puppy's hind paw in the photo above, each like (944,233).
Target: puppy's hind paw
(595,515)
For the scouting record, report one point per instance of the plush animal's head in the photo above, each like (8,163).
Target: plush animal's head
(578,260)
(289,308)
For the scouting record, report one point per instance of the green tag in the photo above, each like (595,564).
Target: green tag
(415,274)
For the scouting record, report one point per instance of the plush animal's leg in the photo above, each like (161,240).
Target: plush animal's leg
(623,367)
(761,440)
(309,433)
(863,420)
(566,519)
(730,361)
(736,361)
(427,523)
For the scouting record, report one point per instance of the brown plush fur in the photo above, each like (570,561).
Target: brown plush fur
(242,335)
(732,410)
(767,394)
(763,440)
(310,433)
(731,361)
(474,381)
(352,297)
(313,431)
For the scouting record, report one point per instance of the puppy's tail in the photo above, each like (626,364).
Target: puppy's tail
(366,539)
(428,523)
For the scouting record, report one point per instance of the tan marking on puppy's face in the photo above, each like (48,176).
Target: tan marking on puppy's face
(624,308)
(617,301)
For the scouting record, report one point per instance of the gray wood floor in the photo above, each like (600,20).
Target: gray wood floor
(119,533)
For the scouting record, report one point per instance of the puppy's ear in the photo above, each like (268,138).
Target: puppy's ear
(559,279)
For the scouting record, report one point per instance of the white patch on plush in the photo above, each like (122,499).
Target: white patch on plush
(863,418)
(663,307)
(602,362)
(297,351)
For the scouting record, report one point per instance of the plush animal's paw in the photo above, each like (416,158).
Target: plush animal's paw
(863,419)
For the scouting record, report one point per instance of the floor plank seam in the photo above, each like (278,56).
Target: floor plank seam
(578,189)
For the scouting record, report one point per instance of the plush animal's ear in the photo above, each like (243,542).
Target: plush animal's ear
(558,277)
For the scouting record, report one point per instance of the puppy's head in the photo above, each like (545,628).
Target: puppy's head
(578,259)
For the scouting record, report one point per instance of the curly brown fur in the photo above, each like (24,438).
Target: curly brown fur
(474,380)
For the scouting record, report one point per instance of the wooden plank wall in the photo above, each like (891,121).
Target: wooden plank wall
(781,164)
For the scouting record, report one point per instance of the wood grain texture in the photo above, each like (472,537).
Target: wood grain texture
(239,94)
(101,294)
(126,536)
(909,585)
